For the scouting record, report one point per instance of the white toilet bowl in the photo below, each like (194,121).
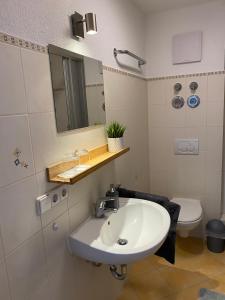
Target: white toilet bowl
(190,215)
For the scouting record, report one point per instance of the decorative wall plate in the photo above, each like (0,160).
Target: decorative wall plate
(178,102)
(193,101)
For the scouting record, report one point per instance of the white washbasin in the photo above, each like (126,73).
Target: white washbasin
(142,223)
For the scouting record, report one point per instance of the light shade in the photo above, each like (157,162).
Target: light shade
(91,24)
(77,25)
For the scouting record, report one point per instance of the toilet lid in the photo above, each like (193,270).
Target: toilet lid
(191,209)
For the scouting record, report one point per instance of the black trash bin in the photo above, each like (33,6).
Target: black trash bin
(215,231)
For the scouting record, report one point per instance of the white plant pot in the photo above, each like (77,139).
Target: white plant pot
(115,144)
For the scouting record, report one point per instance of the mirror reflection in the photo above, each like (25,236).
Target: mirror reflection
(78,89)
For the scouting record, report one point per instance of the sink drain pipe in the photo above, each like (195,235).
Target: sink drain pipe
(119,275)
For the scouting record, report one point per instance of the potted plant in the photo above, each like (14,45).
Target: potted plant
(115,133)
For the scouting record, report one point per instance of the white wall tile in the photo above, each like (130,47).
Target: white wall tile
(196,117)
(44,140)
(174,117)
(135,177)
(52,214)
(194,182)
(157,116)
(63,268)
(212,202)
(14,134)
(18,214)
(159,182)
(215,113)
(128,90)
(37,81)
(176,182)
(84,190)
(197,132)
(55,243)
(125,175)
(214,157)
(43,184)
(127,103)
(216,88)
(72,280)
(160,160)
(156,92)
(214,139)
(158,138)
(27,268)
(4,285)
(79,213)
(13,98)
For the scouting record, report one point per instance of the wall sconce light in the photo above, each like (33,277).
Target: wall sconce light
(77,21)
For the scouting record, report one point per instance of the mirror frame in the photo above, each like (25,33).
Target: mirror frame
(55,50)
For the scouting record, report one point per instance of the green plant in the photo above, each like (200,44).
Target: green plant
(115,130)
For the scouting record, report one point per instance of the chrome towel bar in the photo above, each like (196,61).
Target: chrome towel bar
(141,61)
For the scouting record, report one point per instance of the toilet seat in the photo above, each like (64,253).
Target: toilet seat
(191,210)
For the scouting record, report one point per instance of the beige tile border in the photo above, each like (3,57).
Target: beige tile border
(9,39)
(186,75)
(114,70)
(94,85)
(12,40)
(163,77)
(15,41)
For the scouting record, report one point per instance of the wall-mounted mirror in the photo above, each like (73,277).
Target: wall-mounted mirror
(78,89)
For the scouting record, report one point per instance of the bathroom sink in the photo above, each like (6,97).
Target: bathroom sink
(136,230)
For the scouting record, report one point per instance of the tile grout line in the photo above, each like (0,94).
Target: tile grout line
(27,117)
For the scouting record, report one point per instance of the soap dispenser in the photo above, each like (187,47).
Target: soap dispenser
(113,195)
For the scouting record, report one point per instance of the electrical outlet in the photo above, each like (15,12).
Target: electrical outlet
(55,197)
(51,199)
(64,192)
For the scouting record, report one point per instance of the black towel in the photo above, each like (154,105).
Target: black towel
(167,250)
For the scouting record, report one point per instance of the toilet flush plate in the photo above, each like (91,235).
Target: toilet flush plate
(186,147)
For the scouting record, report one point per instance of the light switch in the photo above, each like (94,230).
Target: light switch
(43,204)
(186,147)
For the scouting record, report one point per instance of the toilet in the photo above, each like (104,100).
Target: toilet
(190,215)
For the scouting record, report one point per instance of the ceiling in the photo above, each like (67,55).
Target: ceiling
(148,6)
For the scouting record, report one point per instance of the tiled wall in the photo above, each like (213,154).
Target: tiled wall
(187,176)
(34,261)
(127,103)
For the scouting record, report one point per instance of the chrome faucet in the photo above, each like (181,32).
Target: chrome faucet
(106,204)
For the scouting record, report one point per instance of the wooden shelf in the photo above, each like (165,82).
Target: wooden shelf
(95,158)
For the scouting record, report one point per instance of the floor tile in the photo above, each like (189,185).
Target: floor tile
(150,286)
(178,279)
(128,293)
(153,278)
